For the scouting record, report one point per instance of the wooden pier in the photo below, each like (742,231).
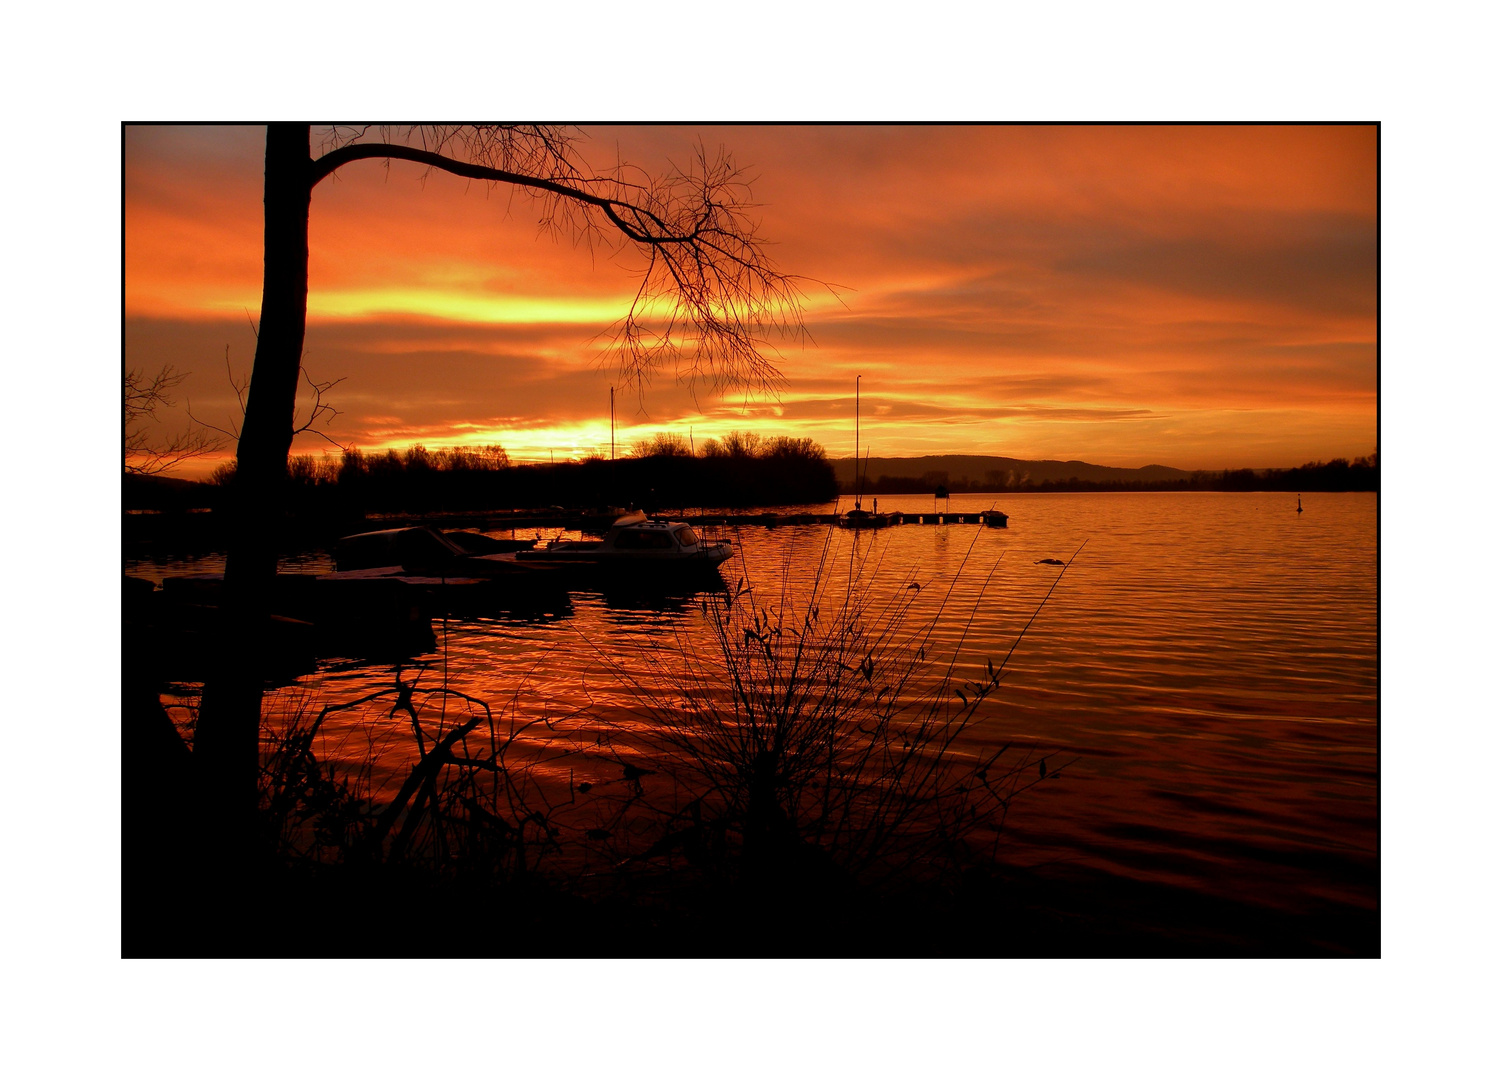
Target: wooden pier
(578,521)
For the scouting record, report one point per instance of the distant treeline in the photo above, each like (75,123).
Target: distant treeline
(739,470)
(1338,475)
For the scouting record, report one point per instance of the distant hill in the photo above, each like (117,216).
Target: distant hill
(979,473)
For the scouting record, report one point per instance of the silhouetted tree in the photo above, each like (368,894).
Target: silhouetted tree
(663,444)
(708,302)
(741,443)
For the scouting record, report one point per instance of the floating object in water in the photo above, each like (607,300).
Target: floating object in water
(1051,562)
(634,773)
(1301,504)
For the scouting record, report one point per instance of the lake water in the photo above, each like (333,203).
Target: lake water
(1207,666)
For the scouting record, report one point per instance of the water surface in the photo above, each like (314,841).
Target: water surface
(1207,666)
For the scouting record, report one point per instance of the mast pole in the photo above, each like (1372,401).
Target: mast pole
(858,478)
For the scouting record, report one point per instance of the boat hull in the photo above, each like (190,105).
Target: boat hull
(635,543)
(860,519)
(647,561)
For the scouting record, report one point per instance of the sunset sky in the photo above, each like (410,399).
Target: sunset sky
(1200,297)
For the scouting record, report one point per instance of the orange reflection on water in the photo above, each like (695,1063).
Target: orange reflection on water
(1207,665)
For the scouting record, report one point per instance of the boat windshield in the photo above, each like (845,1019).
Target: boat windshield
(686,536)
(642,540)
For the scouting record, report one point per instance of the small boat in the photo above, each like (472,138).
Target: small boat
(638,542)
(867,519)
(994,518)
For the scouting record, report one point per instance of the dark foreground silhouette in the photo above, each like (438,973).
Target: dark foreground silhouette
(187,892)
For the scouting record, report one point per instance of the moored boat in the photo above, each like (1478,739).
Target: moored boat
(636,541)
(867,519)
(994,518)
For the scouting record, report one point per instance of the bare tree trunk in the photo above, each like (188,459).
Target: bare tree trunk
(226,744)
(705,259)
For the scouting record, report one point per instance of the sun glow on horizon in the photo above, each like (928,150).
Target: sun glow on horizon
(467,307)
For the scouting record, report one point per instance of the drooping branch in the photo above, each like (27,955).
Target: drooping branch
(709,302)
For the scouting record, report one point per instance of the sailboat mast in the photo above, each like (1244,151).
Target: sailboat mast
(858,484)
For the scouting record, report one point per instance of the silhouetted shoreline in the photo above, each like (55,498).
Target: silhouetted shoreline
(1337,475)
(418,484)
(746,472)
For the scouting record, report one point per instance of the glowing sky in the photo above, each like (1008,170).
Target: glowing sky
(1201,297)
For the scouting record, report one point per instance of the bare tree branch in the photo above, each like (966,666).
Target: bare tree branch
(240,386)
(320,409)
(710,302)
(146,453)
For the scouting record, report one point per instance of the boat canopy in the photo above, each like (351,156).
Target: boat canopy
(412,549)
